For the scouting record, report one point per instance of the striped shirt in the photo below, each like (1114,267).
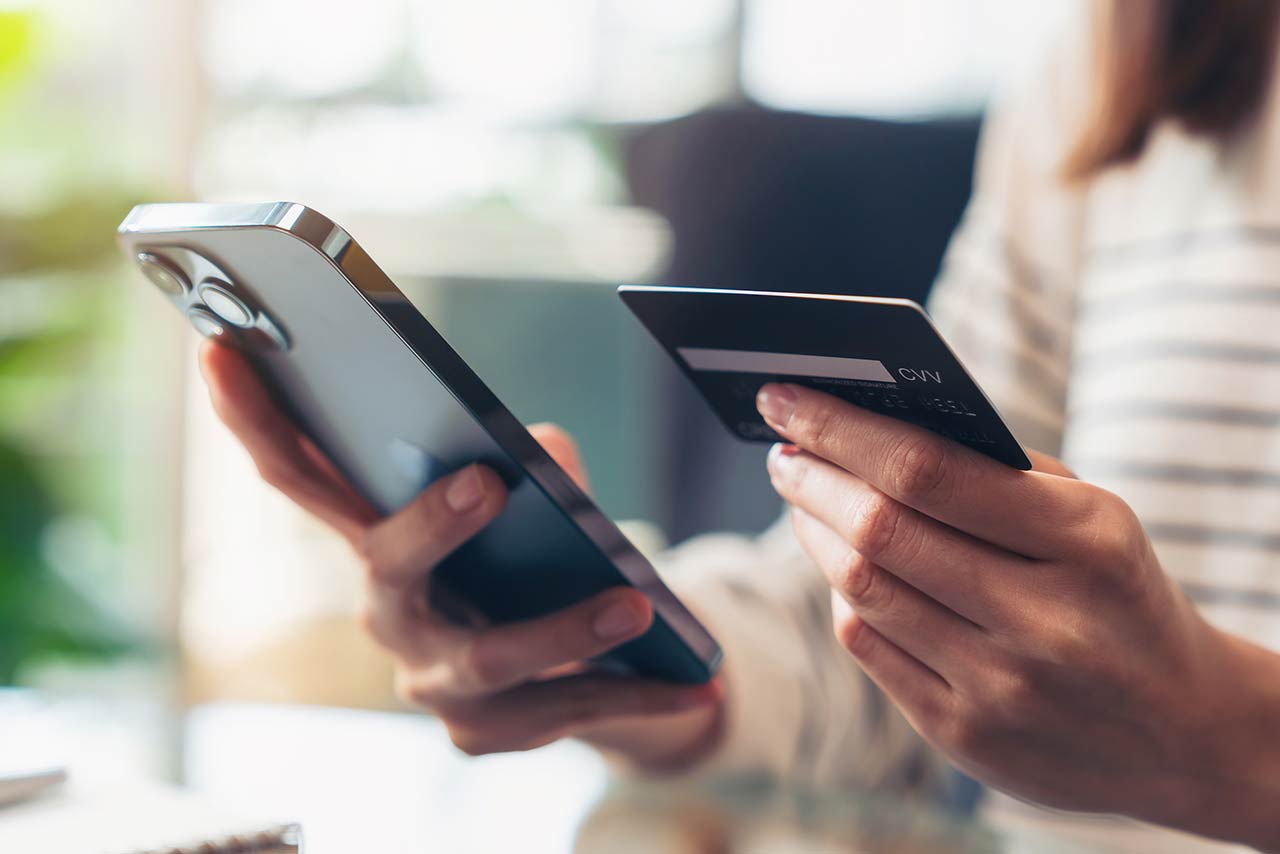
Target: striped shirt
(1129,325)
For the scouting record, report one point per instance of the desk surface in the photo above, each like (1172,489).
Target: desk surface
(392,783)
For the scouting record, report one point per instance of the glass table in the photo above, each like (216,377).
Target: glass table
(393,783)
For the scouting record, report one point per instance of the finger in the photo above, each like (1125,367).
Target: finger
(497,658)
(402,549)
(920,694)
(284,458)
(943,641)
(979,581)
(419,638)
(1049,465)
(1031,513)
(564,450)
(538,713)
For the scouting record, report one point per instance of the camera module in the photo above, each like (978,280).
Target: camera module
(219,297)
(206,322)
(163,273)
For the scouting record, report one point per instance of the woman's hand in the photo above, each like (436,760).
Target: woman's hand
(1022,624)
(496,687)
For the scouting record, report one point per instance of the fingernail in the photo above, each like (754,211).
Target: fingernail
(618,620)
(776,403)
(782,460)
(465,491)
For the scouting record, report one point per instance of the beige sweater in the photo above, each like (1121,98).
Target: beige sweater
(1130,326)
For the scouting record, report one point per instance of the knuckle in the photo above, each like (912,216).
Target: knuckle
(812,424)
(413,689)
(395,553)
(1015,693)
(1099,521)
(480,665)
(1116,544)
(404,688)
(876,524)
(365,545)
(880,592)
(1078,517)
(1068,644)
(276,474)
(974,728)
(852,575)
(1072,651)
(386,631)
(931,711)
(471,741)
(873,590)
(379,571)
(967,733)
(918,469)
(856,636)
(1010,694)
(367,620)
(1133,550)
(801,470)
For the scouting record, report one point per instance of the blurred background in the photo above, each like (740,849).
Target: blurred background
(507,163)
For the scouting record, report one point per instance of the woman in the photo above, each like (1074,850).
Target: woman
(1113,286)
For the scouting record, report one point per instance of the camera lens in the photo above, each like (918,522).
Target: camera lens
(163,273)
(206,322)
(231,308)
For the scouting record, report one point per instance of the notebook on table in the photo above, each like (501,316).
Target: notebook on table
(137,819)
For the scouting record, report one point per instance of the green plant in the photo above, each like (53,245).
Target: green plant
(56,261)
(42,616)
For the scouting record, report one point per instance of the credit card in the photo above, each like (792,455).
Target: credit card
(881,354)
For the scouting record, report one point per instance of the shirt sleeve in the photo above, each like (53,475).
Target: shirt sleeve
(798,706)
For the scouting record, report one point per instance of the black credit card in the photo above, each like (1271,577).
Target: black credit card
(881,354)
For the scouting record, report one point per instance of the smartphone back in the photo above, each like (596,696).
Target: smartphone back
(394,407)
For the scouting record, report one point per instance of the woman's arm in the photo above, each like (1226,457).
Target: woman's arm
(1023,624)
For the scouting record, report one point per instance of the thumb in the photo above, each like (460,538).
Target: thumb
(564,450)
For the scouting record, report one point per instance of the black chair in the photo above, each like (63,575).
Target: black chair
(766,200)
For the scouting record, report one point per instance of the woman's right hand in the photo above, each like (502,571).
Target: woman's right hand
(496,687)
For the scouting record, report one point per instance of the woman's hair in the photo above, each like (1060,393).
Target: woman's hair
(1204,63)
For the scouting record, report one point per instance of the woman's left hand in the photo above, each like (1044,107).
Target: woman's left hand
(1021,622)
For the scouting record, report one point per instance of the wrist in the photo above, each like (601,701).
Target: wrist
(668,744)
(1234,784)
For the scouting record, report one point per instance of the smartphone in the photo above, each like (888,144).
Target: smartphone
(380,391)
(878,353)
